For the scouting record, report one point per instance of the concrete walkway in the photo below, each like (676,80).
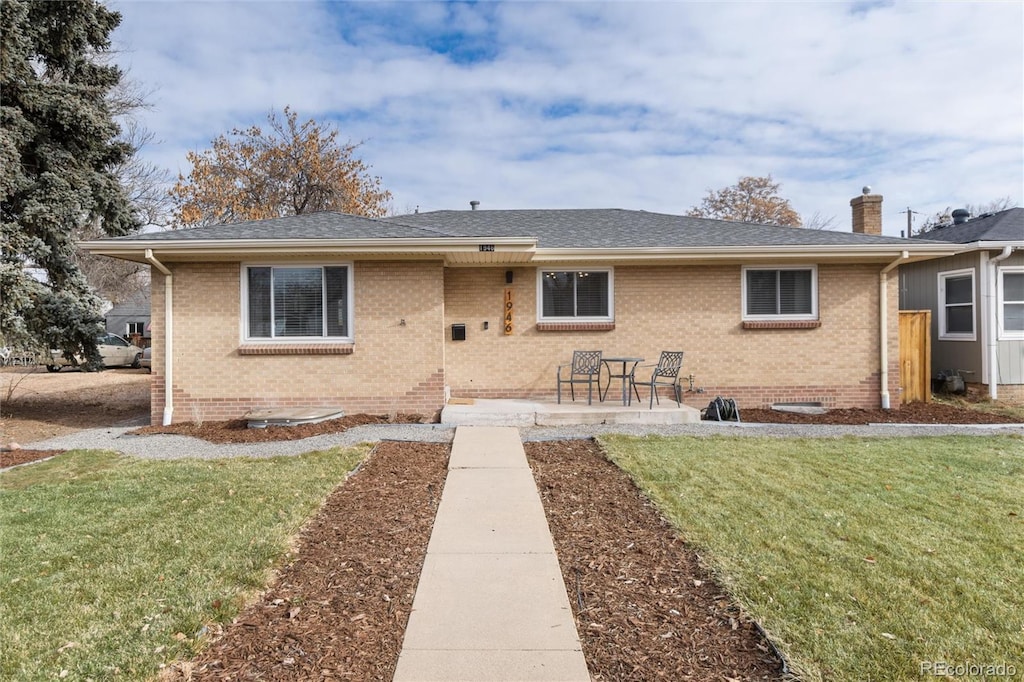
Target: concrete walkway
(490,604)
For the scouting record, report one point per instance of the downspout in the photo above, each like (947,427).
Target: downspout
(883,326)
(168,336)
(990,322)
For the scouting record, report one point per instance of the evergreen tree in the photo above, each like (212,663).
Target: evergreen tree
(58,146)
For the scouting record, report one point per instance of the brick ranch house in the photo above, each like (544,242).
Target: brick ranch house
(327,309)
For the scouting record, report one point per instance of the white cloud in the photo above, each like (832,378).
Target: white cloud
(636,105)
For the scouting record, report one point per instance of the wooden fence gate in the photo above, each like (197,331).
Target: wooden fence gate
(915,356)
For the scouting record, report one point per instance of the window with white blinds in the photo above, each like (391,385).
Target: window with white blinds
(294,303)
(1011,302)
(956,305)
(584,295)
(780,293)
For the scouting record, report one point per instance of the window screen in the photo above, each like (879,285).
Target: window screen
(958,304)
(1013,302)
(576,294)
(298,302)
(780,292)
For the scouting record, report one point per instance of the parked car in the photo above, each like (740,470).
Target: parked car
(115,351)
(147,358)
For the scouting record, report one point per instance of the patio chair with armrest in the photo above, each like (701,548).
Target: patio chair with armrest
(584,369)
(665,373)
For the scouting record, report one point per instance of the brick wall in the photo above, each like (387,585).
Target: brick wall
(692,308)
(391,367)
(1011,394)
(394,367)
(867,214)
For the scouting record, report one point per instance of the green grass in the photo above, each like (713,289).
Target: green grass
(110,566)
(863,558)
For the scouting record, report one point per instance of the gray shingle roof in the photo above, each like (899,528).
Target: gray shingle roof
(553,229)
(325,225)
(1005,226)
(618,228)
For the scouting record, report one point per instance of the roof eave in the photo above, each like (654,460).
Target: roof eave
(1001,244)
(500,250)
(866,253)
(455,249)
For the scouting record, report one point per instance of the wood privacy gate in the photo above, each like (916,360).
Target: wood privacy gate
(915,356)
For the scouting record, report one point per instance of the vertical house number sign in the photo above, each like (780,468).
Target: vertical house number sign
(508,312)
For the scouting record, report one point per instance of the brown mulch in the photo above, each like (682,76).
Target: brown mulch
(645,608)
(340,608)
(10,458)
(238,431)
(913,413)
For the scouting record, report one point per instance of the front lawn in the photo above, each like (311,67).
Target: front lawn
(111,565)
(862,558)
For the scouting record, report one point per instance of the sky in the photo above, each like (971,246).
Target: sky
(634,105)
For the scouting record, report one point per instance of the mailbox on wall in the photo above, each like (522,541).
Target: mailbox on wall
(458,332)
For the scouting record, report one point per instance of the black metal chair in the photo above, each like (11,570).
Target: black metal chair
(666,373)
(584,369)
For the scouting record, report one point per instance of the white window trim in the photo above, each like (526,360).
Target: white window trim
(540,295)
(814,292)
(941,299)
(1003,334)
(244,300)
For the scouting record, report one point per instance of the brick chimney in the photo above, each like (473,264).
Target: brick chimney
(867,213)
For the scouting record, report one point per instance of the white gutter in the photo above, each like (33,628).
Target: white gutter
(523,249)
(168,336)
(883,326)
(991,328)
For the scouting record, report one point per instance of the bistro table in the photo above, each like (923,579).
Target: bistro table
(627,366)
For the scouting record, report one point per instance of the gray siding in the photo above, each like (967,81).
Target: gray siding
(919,290)
(135,309)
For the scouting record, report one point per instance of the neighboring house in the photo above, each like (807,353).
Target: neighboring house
(398,314)
(130,318)
(977,300)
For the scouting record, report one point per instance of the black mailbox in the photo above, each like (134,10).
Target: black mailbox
(458,332)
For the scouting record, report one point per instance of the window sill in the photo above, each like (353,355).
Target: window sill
(575,326)
(781,324)
(296,349)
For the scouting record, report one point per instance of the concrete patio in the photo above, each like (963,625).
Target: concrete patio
(487,412)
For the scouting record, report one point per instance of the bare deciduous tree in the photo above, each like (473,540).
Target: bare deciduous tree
(945,217)
(751,200)
(818,221)
(290,169)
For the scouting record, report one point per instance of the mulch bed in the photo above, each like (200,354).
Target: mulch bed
(340,608)
(912,413)
(645,608)
(10,458)
(238,431)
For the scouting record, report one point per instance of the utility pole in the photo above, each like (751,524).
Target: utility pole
(910,225)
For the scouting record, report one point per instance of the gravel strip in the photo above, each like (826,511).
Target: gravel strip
(163,446)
